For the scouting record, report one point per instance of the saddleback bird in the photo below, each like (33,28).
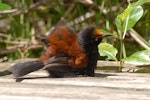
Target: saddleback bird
(68,53)
(63,40)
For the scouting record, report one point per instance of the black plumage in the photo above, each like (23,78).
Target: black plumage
(24,68)
(86,40)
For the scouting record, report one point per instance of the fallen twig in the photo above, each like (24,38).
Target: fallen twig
(31,47)
(139,39)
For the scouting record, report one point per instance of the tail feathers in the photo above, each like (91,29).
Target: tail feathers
(57,66)
(57,63)
(25,68)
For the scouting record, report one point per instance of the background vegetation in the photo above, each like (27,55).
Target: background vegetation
(27,21)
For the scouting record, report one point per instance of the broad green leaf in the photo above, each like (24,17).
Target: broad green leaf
(4,6)
(139,3)
(108,50)
(139,58)
(132,18)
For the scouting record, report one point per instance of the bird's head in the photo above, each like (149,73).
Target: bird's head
(91,35)
(99,35)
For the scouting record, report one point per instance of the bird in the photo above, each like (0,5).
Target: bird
(63,40)
(68,53)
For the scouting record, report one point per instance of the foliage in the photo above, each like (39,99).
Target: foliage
(4,6)
(108,50)
(124,22)
(139,58)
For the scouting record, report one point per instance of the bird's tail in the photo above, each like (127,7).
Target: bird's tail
(25,68)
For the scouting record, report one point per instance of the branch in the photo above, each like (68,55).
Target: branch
(3,35)
(15,49)
(87,2)
(61,20)
(71,7)
(8,11)
(15,12)
(81,18)
(139,39)
(14,42)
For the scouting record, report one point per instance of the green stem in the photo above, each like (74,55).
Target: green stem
(121,54)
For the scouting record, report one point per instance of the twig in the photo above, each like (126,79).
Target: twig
(15,12)
(3,35)
(25,10)
(14,42)
(81,18)
(94,5)
(61,21)
(136,38)
(31,47)
(71,7)
(89,14)
(77,20)
(3,59)
(8,11)
(87,2)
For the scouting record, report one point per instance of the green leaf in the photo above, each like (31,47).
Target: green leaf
(4,6)
(108,50)
(139,58)
(132,18)
(139,3)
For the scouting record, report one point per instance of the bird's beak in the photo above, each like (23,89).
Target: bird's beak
(98,34)
(106,35)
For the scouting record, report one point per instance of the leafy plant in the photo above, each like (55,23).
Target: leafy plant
(4,6)
(125,22)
